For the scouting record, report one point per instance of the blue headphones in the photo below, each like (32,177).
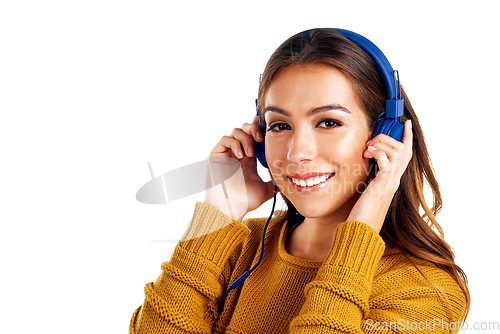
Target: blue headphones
(390,124)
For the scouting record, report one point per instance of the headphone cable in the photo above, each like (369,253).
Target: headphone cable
(247,273)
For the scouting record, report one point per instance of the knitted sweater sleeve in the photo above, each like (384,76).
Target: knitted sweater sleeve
(184,297)
(340,298)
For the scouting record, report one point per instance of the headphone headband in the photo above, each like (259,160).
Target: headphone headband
(394,103)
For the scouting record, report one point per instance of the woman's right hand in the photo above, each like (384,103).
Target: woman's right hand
(245,190)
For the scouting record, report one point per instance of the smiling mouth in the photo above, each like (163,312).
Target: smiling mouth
(310,182)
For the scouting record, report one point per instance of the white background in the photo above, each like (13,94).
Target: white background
(90,91)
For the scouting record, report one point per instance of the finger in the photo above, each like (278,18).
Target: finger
(245,139)
(385,139)
(228,144)
(382,159)
(254,130)
(390,151)
(262,130)
(408,135)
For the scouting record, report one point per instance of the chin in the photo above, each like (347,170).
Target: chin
(314,208)
(329,205)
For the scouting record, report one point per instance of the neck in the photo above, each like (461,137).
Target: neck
(312,239)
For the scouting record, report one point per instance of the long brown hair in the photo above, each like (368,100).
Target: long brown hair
(404,227)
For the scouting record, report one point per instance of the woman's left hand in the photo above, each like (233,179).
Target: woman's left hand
(392,158)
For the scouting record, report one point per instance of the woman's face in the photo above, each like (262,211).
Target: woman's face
(315,139)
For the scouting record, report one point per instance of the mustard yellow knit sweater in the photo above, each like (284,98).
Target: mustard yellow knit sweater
(359,288)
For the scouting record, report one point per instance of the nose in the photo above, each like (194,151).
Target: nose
(302,147)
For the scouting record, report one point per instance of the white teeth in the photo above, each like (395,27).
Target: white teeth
(311,181)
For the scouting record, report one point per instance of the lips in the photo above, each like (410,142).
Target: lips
(309,182)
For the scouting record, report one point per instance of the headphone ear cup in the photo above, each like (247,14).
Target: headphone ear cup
(259,149)
(389,126)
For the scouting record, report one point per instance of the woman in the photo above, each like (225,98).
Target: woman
(351,253)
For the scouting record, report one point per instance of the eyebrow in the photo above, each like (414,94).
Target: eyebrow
(311,112)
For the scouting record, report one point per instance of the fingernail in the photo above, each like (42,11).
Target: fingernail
(371,148)
(250,150)
(258,135)
(240,153)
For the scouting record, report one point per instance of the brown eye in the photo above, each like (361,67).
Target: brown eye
(329,123)
(277,127)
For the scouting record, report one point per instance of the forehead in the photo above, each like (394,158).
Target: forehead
(299,88)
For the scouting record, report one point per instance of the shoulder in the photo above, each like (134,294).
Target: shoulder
(404,281)
(410,270)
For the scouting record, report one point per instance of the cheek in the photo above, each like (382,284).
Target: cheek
(347,155)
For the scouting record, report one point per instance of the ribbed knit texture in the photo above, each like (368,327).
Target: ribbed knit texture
(359,285)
